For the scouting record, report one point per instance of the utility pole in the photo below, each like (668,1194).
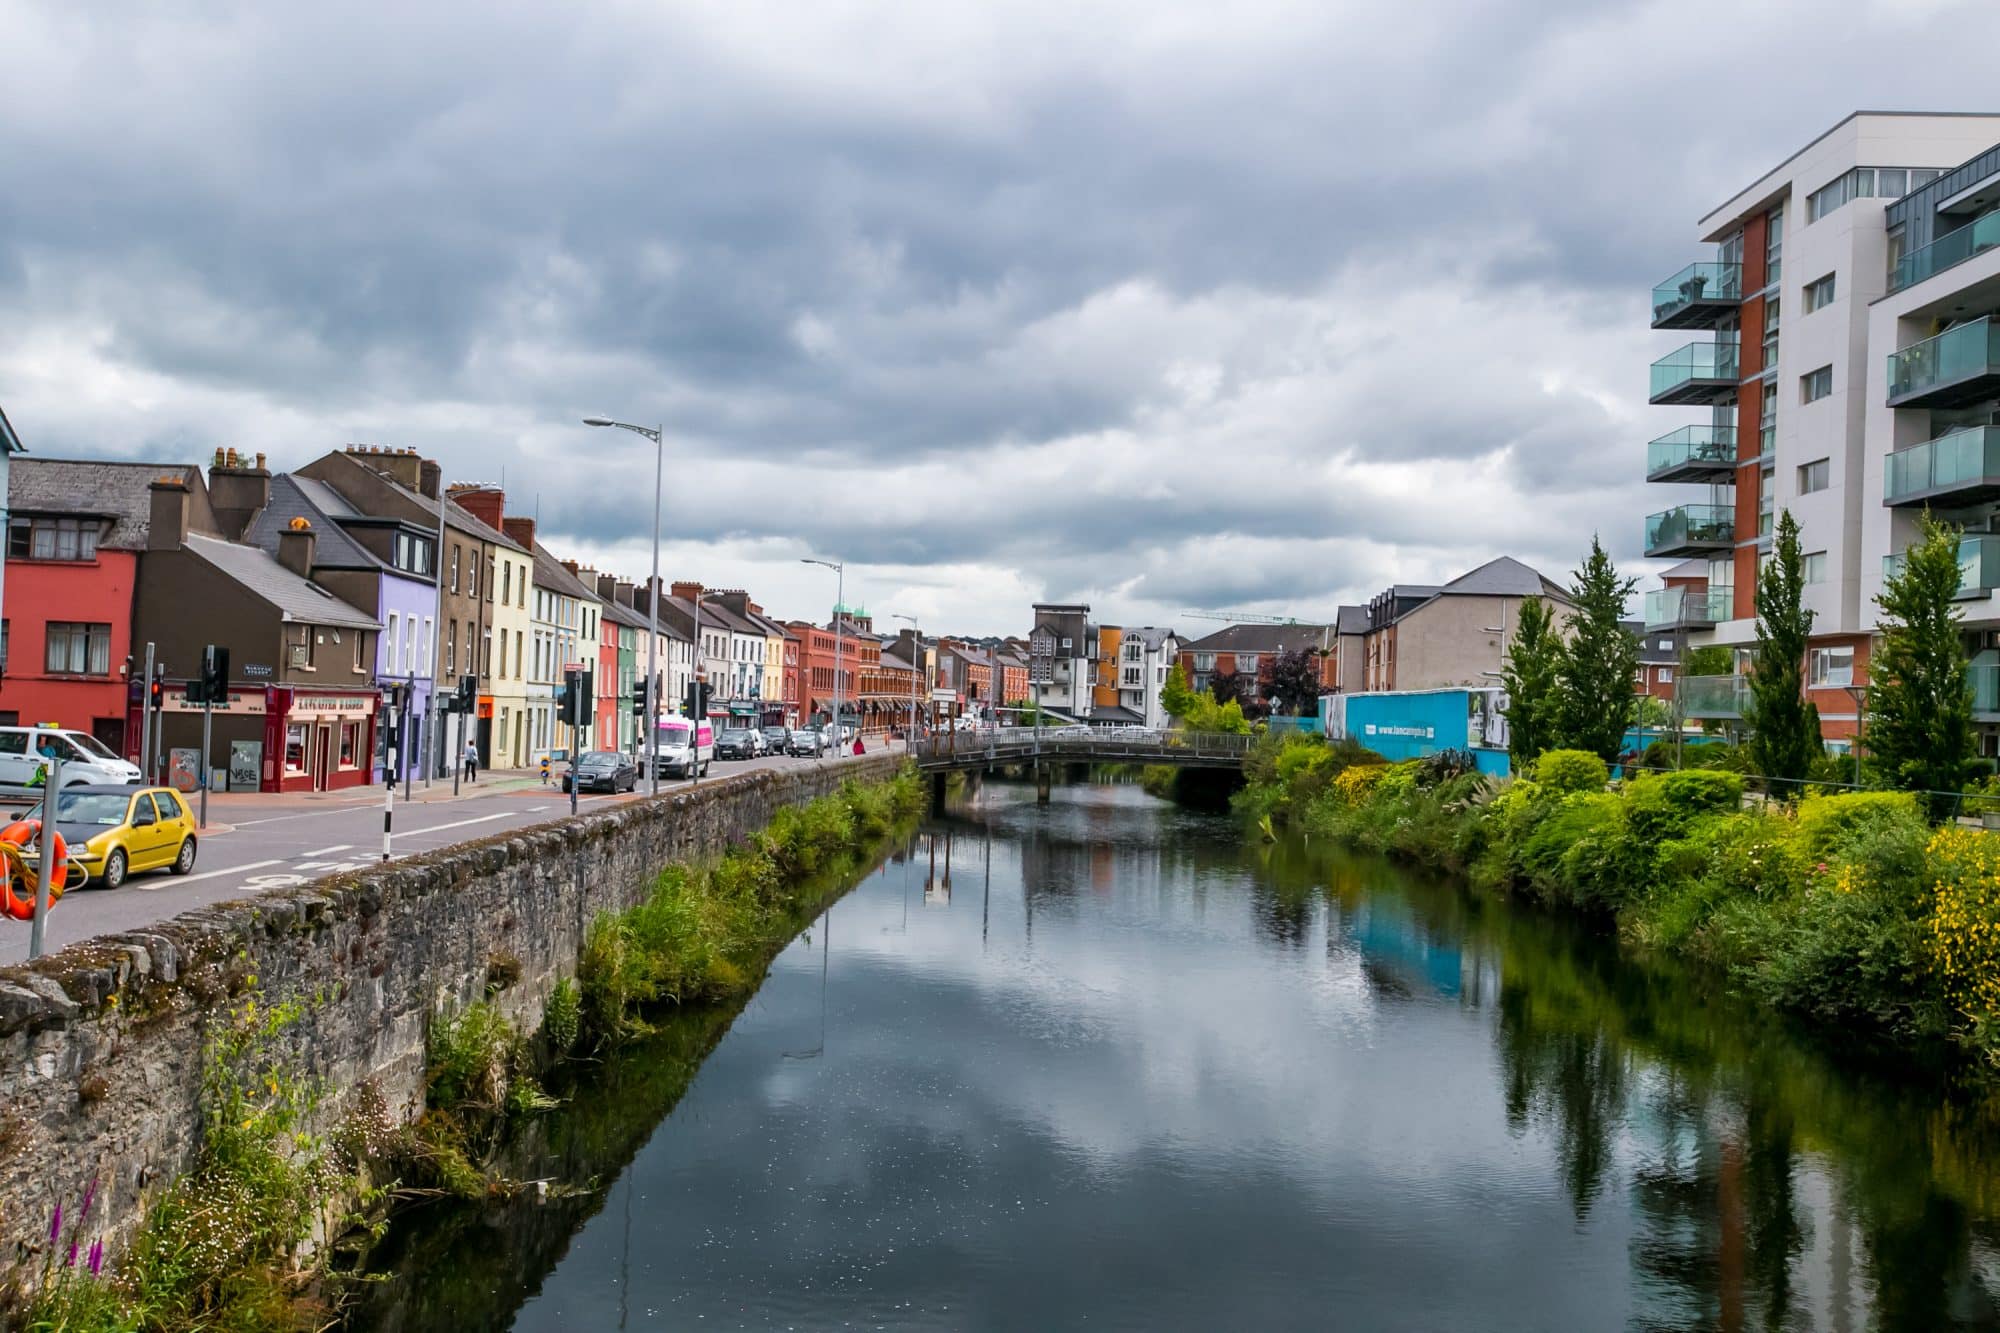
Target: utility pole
(146,711)
(45,870)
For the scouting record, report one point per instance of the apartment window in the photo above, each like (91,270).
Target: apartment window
(1813,476)
(1815,566)
(455,553)
(1767,488)
(1767,423)
(1770,332)
(1819,293)
(491,561)
(506,584)
(1666,676)
(389,653)
(485,652)
(77,649)
(517,654)
(1816,384)
(53,538)
(1246,663)
(360,644)
(1832,667)
(472,576)
(503,653)
(451,647)
(1774,245)
(1897,249)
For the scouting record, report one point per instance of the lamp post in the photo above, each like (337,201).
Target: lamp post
(839,569)
(916,669)
(659,438)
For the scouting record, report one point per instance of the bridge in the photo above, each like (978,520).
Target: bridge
(944,751)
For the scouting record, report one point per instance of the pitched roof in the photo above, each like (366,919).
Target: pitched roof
(297,600)
(1351,620)
(1504,576)
(1260,638)
(1150,635)
(715,613)
(9,441)
(620,614)
(324,498)
(334,549)
(96,489)
(554,575)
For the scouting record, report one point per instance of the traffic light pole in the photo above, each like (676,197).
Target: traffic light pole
(207,736)
(146,712)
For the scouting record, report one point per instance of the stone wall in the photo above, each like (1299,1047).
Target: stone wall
(101,1045)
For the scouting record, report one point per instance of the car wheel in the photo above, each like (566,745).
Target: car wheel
(114,869)
(184,863)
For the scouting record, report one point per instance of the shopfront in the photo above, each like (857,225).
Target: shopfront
(318,740)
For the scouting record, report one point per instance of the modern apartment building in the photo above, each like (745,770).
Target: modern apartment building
(1784,395)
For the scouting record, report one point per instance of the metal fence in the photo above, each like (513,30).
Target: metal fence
(1078,744)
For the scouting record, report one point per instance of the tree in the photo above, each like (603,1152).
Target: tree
(1232,687)
(1711,659)
(1529,675)
(1295,684)
(1919,721)
(1784,724)
(1594,694)
(1175,696)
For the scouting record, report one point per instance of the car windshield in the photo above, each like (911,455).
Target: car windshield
(103,808)
(735,734)
(92,746)
(601,757)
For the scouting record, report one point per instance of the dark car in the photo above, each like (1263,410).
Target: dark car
(603,770)
(776,739)
(806,741)
(736,743)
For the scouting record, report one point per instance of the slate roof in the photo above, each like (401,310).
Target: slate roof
(95,489)
(1504,576)
(620,614)
(1150,635)
(715,613)
(334,548)
(298,601)
(324,498)
(554,575)
(1351,620)
(9,441)
(1259,639)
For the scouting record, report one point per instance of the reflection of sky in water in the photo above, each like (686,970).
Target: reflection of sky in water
(1118,1083)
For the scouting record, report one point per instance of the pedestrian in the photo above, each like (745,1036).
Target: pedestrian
(471,761)
(857,744)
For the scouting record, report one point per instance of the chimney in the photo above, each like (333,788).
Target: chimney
(296,546)
(430,478)
(237,492)
(735,599)
(401,466)
(521,530)
(608,590)
(686,591)
(167,530)
(486,503)
(628,594)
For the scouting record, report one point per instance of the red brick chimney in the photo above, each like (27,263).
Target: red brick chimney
(521,530)
(686,591)
(488,504)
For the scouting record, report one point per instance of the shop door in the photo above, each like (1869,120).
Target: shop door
(322,756)
(486,742)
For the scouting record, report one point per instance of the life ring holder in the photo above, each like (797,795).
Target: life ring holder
(19,883)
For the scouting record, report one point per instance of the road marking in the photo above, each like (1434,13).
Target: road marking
(328,851)
(439,828)
(210,874)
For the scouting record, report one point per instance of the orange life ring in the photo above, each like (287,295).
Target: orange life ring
(19,902)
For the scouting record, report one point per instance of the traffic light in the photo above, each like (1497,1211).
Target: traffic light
(577,699)
(158,694)
(468,693)
(213,686)
(696,699)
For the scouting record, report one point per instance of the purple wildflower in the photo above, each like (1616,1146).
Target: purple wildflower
(89,1193)
(96,1256)
(55,1224)
(71,1262)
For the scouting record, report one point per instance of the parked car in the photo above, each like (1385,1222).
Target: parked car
(603,770)
(114,830)
(736,743)
(777,740)
(806,741)
(685,748)
(86,761)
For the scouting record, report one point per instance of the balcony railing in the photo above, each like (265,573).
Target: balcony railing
(1690,530)
(1958,366)
(1697,373)
(1985,683)
(1668,607)
(1693,453)
(1962,467)
(1712,696)
(1697,296)
(1978,564)
(1947,251)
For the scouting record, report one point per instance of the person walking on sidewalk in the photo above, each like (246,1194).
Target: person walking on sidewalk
(471,761)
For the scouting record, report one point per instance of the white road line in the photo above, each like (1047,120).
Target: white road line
(170,882)
(326,851)
(439,828)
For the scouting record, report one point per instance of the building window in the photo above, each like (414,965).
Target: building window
(350,744)
(53,538)
(1666,675)
(1815,385)
(1819,293)
(1770,332)
(451,647)
(77,649)
(360,644)
(1813,476)
(1832,667)
(517,654)
(1246,663)
(389,648)
(503,654)
(1767,423)
(472,577)
(455,551)
(1815,567)
(1774,245)
(295,747)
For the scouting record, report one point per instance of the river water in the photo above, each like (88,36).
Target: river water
(1102,1065)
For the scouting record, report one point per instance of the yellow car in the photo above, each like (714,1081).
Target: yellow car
(115,831)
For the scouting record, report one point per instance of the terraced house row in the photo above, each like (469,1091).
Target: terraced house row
(1846,367)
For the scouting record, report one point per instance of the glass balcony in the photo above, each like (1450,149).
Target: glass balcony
(1693,453)
(1712,696)
(1985,682)
(1690,530)
(1960,468)
(1700,373)
(1978,564)
(1958,366)
(1951,249)
(1697,296)
(1670,607)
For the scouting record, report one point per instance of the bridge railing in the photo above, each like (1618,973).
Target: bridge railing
(1077,744)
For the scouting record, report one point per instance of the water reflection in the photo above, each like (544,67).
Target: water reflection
(1142,1076)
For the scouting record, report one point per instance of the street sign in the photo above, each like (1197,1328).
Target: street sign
(944,696)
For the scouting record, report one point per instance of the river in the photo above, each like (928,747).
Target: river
(1103,1065)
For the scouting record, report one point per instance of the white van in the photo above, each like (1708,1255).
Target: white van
(683,746)
(24,753)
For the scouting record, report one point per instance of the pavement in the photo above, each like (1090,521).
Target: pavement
(256,842)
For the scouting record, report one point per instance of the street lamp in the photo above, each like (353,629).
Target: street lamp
(659,439)
(839,569)
(916,670)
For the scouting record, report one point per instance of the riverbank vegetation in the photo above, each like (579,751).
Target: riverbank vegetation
(241,1242)
(1849,908)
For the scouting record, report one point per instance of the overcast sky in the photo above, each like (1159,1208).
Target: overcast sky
(1152,306)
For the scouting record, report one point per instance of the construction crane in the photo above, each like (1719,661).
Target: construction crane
(1243,617)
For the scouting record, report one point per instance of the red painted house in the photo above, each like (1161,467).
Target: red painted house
(76,534)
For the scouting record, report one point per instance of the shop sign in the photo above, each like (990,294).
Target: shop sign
(256,671)
(242,703)
(352,705)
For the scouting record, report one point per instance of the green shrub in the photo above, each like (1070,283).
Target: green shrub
(1662,804)
(562,1016)
(1830,821)
(1564,771)
(470,1059)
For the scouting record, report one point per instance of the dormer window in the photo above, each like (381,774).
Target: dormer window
(33,537)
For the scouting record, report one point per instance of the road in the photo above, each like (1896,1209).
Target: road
(258,843)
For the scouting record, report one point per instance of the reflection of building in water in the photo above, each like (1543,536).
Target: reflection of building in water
(1395,943)
(937,888)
